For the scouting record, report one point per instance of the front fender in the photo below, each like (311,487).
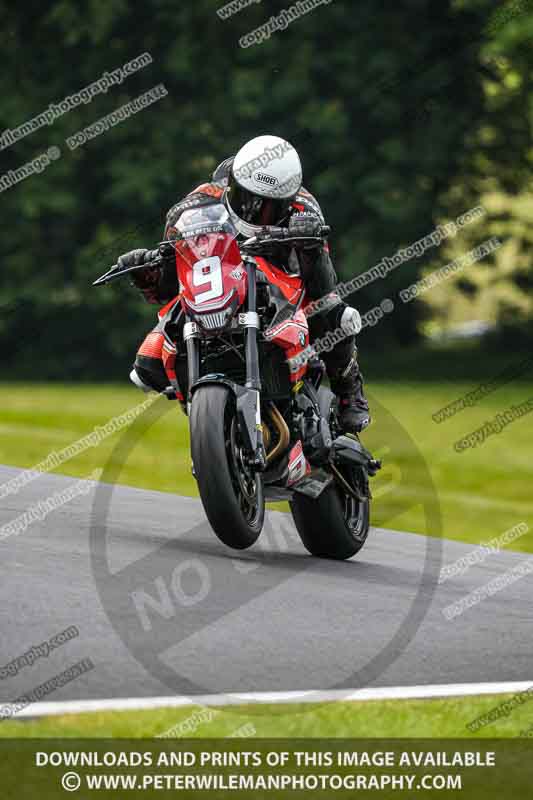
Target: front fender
(247,402)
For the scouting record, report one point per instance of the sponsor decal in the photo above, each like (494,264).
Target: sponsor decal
(298,466)
(262,177)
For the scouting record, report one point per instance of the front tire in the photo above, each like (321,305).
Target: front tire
(231,494)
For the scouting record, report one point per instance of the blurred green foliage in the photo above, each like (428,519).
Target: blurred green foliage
(404,114)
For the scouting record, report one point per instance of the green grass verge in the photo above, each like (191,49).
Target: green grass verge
(446,718)
(482,492)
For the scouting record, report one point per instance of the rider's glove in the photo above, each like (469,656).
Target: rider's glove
(351,321)
(146,280)
(304,225)
(132,259)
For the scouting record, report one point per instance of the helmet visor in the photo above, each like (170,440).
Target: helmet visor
(255,209)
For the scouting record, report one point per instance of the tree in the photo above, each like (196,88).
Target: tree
(380,104)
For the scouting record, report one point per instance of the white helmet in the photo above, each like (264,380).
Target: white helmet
(265,177)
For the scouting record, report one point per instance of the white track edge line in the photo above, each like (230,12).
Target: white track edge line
(48,709)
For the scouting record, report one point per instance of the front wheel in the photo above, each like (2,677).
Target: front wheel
(335,525)
(231,492)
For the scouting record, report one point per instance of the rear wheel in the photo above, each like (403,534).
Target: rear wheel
(231,492)
(335,525)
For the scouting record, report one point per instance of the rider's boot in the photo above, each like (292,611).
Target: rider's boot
(347,383)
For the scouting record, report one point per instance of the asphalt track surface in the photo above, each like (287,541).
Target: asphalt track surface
(267,619)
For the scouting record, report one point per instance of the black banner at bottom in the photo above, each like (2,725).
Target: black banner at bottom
(266,768)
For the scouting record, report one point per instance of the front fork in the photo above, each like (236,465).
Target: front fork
(248,398)
(192,343)
(250,321)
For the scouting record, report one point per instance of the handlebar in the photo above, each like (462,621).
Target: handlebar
(274,235)
(152,258)
(268,235)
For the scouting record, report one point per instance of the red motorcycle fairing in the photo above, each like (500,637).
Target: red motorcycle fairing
(213,280)
(291,335)
(291,286)
(210,272)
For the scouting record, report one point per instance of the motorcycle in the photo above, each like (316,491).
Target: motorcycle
(263,426)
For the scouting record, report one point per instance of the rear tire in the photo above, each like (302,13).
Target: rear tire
(333,526)
(232,496)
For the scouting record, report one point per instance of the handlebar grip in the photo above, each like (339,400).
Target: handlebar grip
(284,233)
(273,232)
